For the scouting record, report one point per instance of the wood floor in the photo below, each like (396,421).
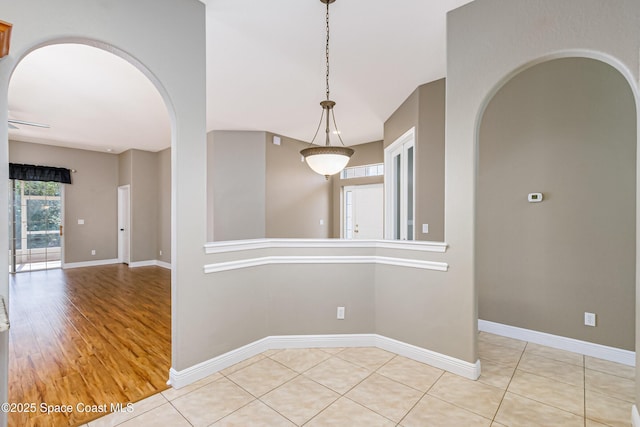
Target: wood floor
(88,336)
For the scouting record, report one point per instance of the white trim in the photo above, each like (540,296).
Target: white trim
(148,263)
(163,264)
(254,262)
(635,417)
(399,147)
(179,379)
(438,360)
(612,354)
(90,263)
(246,245)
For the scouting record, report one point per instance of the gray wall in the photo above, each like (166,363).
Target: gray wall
(124,168)
(164,205)
(182,84)
(91,196)
(236,178)
(424,109)
(149,177)
(488,41)
(365,154)
(297,199)
(144,206)
(256,189)
(566,128)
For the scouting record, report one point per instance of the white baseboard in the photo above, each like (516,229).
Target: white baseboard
(438,360)
(151,262)
(179,379)
(194,373)
(68,265)
(612,354)
(163,264)
(635,417)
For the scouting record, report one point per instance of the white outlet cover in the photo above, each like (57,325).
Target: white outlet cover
(589,319)
(340,313)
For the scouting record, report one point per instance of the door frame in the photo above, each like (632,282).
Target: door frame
(399,147)
(124,224)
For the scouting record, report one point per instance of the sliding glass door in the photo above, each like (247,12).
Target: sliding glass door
(35,234)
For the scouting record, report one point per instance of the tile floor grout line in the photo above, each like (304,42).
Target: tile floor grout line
(421,397)
(181,414)
(493,419)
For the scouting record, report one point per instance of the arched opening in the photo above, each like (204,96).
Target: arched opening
(97,332)
(565,128)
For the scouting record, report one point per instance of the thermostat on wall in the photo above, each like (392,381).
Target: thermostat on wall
(535,197)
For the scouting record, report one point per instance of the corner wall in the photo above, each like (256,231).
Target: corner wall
(297,200)
(424,109)
(236,181)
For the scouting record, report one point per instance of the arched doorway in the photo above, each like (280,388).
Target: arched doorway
(101,333)
(565,128)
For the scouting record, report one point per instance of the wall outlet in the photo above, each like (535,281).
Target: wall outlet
(93,251)
(160,253)
(340,314)
(590,319)
(425,228)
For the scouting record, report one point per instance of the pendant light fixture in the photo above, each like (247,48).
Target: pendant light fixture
(327,160)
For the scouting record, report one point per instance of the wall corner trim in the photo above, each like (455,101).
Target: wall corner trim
(635,417)
(179,379)
(151,262)
(586,348)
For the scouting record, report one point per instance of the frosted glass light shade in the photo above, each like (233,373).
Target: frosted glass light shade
(327,160)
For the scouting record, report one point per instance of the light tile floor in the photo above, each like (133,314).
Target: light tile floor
(522,384)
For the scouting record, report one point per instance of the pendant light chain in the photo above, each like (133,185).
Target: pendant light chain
(327,51)
(327,160)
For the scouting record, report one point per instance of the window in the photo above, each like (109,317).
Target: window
(399,181)
(361,171)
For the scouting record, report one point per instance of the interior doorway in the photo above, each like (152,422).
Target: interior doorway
(36,225)
(124,224)
(399,178)
(363,212)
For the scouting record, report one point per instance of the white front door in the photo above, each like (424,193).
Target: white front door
(124,223)
(363,212)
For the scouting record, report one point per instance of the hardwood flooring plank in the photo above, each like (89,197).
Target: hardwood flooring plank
(95,335)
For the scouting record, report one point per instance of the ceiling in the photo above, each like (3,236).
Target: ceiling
(265,71)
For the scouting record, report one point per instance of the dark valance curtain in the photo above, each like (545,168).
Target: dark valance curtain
(39,173)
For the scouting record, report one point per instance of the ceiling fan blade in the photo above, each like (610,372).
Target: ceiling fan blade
(13,126)
(22,122)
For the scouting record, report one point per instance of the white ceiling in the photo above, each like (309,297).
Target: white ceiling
(265,71)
